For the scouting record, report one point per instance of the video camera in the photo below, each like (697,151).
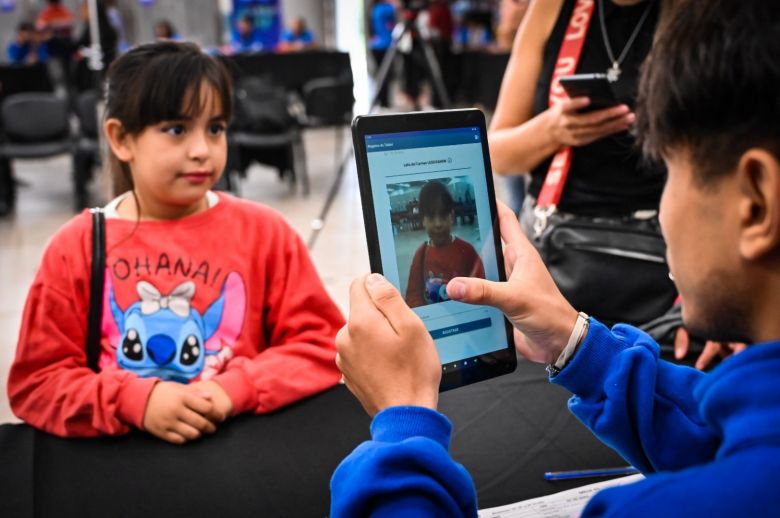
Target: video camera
(414,4)
(411,8)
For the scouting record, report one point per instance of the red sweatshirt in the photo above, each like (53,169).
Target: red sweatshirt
(434,266)
(229,294)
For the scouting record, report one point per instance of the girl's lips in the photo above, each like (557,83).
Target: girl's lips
(196,177)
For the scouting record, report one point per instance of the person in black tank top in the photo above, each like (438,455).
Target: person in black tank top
(608,176)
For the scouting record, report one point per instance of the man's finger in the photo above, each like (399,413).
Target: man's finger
(509,260)
(681,343)
(341,363)
(737,347)
(710,351)
(481,291)
(361,307)
(509,226)
(388,300)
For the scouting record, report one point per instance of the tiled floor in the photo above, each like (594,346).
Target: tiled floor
(45,204)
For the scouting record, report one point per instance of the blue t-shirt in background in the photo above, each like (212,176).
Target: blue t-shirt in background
(304,37)
(18,54)
(382,24)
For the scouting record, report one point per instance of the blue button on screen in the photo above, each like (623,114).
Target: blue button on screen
(460,328)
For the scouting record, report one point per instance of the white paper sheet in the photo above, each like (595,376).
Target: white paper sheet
(566,504)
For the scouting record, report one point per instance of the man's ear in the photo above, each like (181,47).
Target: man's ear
(758,177)
(118,139)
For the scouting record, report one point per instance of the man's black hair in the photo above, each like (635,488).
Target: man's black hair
(711,85)
(25,27)
(435,198)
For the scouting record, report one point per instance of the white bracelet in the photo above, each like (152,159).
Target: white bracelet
(580,326)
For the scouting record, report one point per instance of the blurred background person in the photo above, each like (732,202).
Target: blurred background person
(608,177)
(109,39)
(474,23)
(435,24)
(297,37)
(510,15)
(115,17)
(27,47)
(381,28)
(244,39)
(440,28)
(164,30)
(473,34)
(56,22)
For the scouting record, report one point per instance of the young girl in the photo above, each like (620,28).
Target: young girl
(212,306)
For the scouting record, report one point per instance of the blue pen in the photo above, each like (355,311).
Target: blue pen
(584,473)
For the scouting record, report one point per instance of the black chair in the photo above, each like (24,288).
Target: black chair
(15,79)
(264,130)
(87,148)
(35,125)
(328,101)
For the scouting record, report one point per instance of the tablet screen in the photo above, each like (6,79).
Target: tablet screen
(433,220)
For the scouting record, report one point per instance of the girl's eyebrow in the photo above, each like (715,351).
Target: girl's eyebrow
(188,118)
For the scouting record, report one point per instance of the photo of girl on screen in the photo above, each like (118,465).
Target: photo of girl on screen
(436,236)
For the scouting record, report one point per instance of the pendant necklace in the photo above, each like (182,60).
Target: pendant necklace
(613,73)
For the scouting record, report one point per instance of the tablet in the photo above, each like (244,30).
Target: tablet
(430,214)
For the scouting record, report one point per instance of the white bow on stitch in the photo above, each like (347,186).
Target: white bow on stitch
(177,300)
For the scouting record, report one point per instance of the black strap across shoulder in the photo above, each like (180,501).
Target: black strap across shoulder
(96,288)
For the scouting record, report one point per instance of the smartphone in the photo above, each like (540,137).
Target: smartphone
(429,209)
(594,86)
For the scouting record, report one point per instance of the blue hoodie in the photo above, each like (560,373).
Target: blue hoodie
(708,443)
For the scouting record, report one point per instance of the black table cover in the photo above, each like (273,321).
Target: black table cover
(507,432)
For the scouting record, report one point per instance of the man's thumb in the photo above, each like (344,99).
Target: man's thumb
(481,291)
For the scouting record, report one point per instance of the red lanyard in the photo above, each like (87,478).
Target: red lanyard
(568,58)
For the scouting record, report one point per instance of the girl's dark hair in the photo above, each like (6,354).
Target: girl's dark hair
(152,83)
(434,196)
(710,85)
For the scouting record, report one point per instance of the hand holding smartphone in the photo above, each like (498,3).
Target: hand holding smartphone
(596,87)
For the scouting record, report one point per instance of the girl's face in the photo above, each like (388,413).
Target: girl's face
(174,163)
(438,225)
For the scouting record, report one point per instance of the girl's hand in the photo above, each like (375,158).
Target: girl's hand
(221,407)
(569,127)
(175,413)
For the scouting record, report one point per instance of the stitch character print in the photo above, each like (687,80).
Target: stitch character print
(163,336)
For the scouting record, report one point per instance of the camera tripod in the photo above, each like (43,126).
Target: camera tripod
(409,26)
